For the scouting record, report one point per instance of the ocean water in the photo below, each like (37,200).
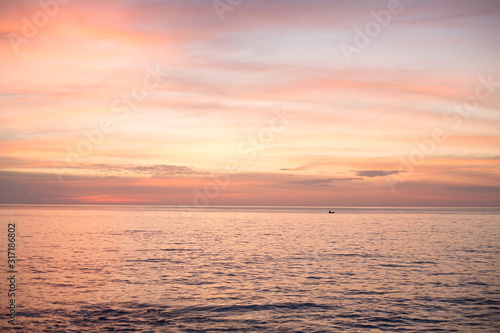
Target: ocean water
(241,269)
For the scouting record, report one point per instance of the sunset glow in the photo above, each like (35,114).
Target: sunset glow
(178,103)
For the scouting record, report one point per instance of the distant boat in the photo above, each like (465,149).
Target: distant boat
(330,212)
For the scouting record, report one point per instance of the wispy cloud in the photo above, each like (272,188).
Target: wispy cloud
(126,170)
(321,182)
(477,189)
(376,173)
(157,170)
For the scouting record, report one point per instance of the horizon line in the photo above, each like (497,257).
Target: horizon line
(228,206)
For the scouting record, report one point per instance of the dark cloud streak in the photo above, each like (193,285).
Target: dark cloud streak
(321,182)
(376,173)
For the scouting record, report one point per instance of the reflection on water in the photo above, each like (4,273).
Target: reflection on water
(164,269)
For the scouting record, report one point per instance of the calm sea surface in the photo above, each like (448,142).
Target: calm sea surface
(240,269)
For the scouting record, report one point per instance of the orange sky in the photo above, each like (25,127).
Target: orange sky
(164,102)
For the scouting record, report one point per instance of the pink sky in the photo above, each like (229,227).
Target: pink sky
(163,102)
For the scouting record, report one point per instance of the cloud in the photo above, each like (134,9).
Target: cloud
(166,170)
(477,189)
(321,182)
(155,170)
(15,193)
(302,167)
(376,173)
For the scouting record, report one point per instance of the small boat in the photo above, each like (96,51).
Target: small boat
(330,212)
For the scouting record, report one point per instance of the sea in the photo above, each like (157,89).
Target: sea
(249,269)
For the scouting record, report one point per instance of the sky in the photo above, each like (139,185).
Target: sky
(250,102)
